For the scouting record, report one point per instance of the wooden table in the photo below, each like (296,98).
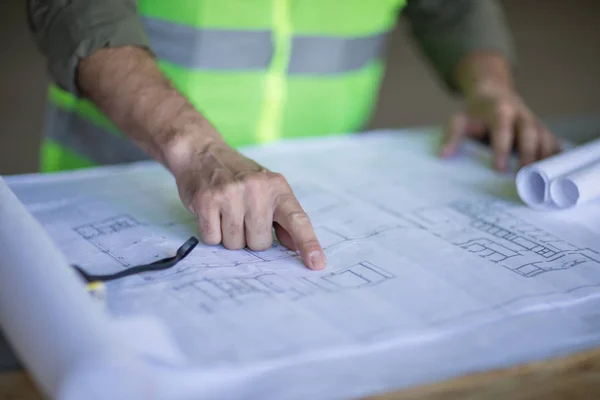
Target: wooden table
(574,377)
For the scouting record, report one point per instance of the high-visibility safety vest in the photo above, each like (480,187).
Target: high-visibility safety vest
(259,70)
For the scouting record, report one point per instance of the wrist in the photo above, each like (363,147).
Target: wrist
(489,88)
(189,145)
(484,73)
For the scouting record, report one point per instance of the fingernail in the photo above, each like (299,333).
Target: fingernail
(317,260)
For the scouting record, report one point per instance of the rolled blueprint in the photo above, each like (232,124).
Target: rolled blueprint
(577,187)
(70,347)
(534,181)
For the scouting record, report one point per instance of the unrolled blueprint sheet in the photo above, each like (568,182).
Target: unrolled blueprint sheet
(435,268)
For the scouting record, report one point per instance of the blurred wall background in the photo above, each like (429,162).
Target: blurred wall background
(558,44)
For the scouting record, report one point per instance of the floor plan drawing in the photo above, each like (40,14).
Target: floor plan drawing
(118,236)
(359,275)
(106,227)
(212,294)
(486,229)
(330,237)
(101,233)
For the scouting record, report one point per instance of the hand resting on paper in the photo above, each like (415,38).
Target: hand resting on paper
(493,106)
(236,201)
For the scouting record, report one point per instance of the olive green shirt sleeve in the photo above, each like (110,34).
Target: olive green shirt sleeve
(67,31)
(448,30)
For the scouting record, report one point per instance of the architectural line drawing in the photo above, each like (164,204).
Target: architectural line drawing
(481,227)
(100,234)
(487,229)
(367,235)
(107,226)
(359,275)
(94,233)
(211,295)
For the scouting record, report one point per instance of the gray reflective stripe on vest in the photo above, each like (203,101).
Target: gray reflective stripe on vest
(243,50)
(209,49)
(89,140)
(330,55)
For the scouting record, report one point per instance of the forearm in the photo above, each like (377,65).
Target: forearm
(482,72)
(126,84)
(450,31)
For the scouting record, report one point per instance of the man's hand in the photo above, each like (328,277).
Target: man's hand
(236,201)
(494,108)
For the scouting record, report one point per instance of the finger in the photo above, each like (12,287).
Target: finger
(453,134)
(502,138)
(208,215)
(528,140)
(284,237)
(210,227)
(232,224)
(292,218)
(259,227)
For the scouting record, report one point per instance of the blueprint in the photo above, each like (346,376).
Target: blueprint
(435,267)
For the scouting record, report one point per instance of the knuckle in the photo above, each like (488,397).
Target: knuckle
(255,183)
(286,197)
(217,197)
(278,179)
(298,218)
(505,110)
(229,191)
(310,245)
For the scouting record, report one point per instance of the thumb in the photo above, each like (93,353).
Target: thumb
(454,133)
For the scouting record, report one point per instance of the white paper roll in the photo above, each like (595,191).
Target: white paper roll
(53,325)
(577,187)
(533,182)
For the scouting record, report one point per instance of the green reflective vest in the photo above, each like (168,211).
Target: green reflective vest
(259,70)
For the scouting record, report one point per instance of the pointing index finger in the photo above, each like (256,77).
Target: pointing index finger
(291,217)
